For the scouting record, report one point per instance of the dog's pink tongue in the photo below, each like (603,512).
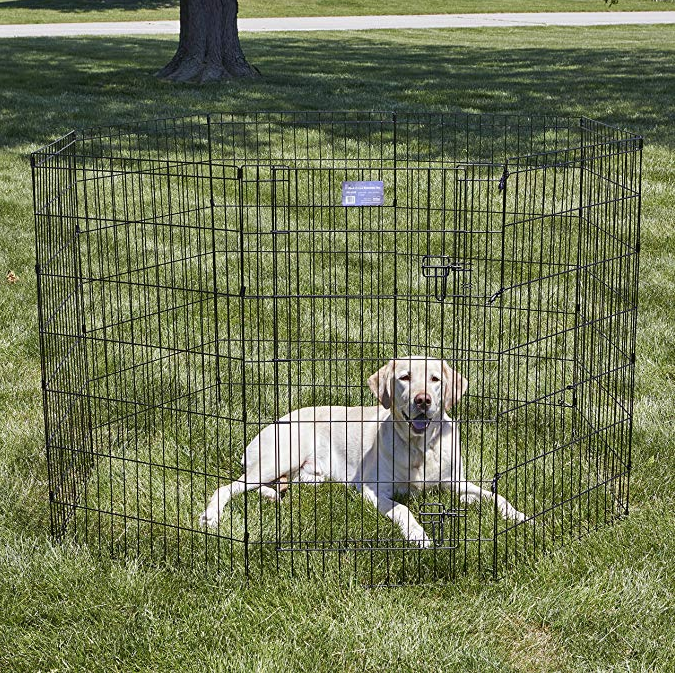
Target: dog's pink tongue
(419,424)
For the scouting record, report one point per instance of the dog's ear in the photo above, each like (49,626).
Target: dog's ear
(454,386)
(379,384)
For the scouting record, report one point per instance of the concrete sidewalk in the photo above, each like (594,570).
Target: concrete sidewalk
(350,23)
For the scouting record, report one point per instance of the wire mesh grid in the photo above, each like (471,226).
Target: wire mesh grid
(201,279)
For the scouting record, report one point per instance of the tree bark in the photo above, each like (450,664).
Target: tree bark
(208,46)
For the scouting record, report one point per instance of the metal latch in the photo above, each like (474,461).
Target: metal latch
(439,267)
(439,521)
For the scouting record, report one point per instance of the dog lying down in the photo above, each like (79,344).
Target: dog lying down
(406,443)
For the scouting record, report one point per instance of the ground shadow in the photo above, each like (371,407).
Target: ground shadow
(49,86)
(70,6)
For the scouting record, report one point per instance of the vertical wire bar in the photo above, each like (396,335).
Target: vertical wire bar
(81,325)
(578,326)
(633,327)
(495,481)
(395,330)
(214,270)
(242,325)
(38,198)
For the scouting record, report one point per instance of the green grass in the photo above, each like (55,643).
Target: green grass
(56,11)
(604,603)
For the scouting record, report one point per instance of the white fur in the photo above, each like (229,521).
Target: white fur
(374,448)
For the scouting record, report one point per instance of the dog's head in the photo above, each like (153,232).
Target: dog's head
(417,390)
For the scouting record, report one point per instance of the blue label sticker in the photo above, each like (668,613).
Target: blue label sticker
(363,193)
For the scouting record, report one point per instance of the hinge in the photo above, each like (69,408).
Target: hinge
(495,296)
(502,180)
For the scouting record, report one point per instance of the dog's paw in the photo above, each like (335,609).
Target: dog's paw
(420,538)
(513,514)
(270,494)
(209,518)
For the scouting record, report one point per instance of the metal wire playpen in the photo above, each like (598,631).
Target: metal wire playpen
(201,278)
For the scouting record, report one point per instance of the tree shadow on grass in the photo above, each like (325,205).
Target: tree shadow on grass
(49,86)
(79,6)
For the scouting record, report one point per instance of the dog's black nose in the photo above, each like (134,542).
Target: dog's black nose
(423,400)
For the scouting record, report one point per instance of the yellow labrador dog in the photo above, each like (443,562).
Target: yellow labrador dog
(406,443)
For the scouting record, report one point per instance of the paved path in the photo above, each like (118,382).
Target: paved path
(350,23)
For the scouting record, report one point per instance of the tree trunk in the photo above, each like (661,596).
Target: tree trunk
(208,46)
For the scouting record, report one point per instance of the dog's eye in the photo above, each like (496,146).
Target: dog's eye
(404,377)
(435,379)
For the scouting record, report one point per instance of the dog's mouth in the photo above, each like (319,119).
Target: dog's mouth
(419,423)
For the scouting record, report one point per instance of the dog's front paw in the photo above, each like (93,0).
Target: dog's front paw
(420,538)
(270,494)
(513,514)
(209,518)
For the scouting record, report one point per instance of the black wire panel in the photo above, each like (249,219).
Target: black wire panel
(199,279)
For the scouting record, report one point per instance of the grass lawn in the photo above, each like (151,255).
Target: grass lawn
(604,603)
(56,11)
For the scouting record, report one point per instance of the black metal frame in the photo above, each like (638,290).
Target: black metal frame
(199,277)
